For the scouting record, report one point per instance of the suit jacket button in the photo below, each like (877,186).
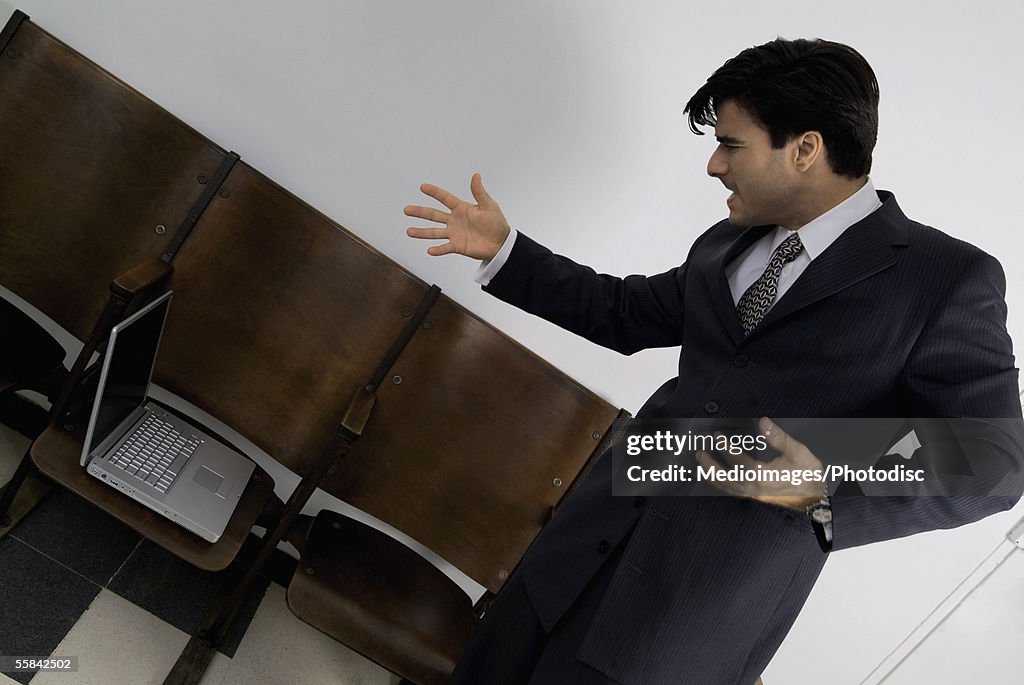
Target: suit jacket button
(741,360)
(603,547)
(711,407)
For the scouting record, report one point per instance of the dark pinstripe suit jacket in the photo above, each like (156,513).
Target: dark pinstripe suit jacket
(895,319)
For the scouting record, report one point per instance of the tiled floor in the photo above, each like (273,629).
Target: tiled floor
(74,582)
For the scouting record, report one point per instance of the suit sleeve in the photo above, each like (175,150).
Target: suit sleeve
(961,383)
(624,314)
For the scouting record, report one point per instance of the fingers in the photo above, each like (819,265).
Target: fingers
(427,233)
(769,429)
(439,250)
(706,461)
(428,213)
(449,200)
(794,457)
(779,492)
(735,457)
(459,222)
(777,438)
(441,195)
(432,234)
(791,451)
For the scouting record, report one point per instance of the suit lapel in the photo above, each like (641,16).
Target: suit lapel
(862,251)
(718,284)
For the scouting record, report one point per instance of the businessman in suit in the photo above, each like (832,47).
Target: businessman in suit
(816,297)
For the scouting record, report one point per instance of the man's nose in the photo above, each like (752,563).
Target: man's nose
(716,165)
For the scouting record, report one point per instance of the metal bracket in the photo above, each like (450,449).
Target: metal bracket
(429,298)
(211,189)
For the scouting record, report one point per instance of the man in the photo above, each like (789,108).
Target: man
(817,297)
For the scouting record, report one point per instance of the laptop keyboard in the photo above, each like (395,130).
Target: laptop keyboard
(155,452)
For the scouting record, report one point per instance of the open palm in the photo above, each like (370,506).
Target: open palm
(475,230)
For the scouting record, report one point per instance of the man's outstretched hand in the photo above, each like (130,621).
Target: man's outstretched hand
(475,230)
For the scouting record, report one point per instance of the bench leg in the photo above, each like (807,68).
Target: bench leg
(197,655)
(191,663)
(21,494)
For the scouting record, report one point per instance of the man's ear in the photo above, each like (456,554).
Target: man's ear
(808,148)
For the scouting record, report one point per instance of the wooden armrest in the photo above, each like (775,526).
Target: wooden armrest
(140,277)
(123,290)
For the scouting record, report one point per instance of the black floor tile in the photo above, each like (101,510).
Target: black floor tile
(40,601)
(180,593)
(78,535)
(280,568)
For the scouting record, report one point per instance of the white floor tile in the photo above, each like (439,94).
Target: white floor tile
(280,649)
(117,642)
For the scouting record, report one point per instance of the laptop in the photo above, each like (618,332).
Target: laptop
(154,456)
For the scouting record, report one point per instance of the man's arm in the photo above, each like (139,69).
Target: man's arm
(961,368)
(624,314)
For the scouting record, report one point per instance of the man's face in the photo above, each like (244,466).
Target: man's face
(760,178)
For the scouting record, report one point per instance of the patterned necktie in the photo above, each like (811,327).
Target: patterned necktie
(758,298)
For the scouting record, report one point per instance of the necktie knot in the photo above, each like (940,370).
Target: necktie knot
(758,298)
(787,250)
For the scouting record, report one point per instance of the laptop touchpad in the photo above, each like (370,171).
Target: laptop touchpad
(208,479)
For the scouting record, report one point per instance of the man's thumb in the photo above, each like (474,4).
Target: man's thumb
(776,436)
(476,186)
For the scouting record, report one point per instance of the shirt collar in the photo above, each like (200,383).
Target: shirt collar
(823,231)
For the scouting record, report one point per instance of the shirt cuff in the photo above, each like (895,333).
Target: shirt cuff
(489,268)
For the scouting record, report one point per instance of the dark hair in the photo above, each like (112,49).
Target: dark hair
(793,86)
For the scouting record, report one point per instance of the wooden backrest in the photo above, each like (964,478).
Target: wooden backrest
(472,441)
(90,169)
(279,315)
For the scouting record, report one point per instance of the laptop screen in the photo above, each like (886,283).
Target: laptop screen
(131,355)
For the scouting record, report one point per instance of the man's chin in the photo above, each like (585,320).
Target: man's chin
(738,220)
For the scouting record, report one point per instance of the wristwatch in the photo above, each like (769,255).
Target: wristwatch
(820,514)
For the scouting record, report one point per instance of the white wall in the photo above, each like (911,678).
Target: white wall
(973,643)
(573,113)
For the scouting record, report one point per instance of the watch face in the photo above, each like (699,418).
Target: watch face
(822,515)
